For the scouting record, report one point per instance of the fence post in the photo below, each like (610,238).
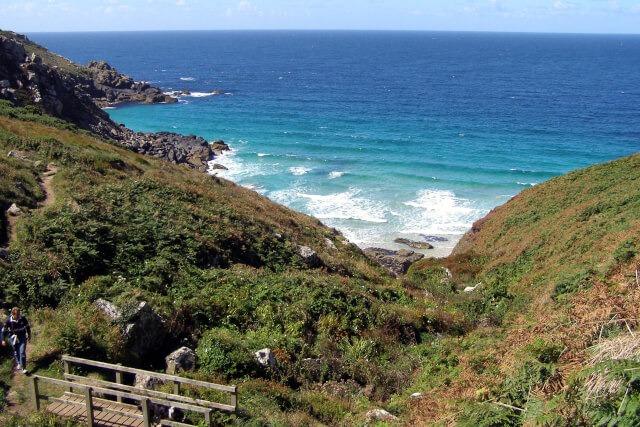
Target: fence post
(144,402)
(35,393)
(65,364)
(119,381)
(234,399)
(89,402)
(176,387)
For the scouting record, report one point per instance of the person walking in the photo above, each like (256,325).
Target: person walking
(17,331)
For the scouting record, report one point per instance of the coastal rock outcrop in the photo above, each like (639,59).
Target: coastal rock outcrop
(142,327)
(60,88)
(397,262)
(110,87)
(413,244)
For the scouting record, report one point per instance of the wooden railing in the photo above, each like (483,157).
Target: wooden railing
(81,391)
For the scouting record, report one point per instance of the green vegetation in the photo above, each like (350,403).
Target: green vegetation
(547,337)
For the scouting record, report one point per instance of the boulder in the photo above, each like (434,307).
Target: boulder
(397,262)
(375,415)
(471,288)
(108,308)
(14,210)
(265,358)
(183,359)
(309,256)
(146,381)
(144,329)
(329,243)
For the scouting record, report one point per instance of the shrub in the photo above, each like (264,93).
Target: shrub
(223,351)
(627,250)
(84,331)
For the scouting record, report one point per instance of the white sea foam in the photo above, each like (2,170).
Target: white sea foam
(262,154)
(333,208)
(299,170)
(335,174)
(439,212)
(187,79)
(347,205)
(527,184)
(198,94)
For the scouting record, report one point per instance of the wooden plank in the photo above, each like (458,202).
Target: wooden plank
(171,423)
(101,418)
(166,377)
(154,393)
(106,406)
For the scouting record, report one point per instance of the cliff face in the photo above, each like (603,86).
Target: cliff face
(31,76)
(26,80)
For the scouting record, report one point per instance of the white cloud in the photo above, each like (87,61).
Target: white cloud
(563,5)
(22,6)
(243,7)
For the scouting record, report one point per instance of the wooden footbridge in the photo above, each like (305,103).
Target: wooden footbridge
(100,402)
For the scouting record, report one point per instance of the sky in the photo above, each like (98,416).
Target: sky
(553,16)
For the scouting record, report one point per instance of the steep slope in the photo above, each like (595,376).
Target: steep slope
(550,324)
(227,271)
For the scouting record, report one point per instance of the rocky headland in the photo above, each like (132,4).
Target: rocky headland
(32,76)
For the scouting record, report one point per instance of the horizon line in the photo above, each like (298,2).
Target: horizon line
(362,30)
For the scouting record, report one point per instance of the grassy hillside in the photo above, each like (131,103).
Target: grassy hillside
(218,262)
(551,325)
(547,337)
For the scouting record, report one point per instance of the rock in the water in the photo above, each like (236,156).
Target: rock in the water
(397,262)
(413,244)
(430,238)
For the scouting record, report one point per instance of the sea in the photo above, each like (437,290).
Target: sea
(384,134)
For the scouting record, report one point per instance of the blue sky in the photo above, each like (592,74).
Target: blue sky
(566,16)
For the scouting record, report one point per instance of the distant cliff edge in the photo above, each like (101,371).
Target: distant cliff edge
(30,75)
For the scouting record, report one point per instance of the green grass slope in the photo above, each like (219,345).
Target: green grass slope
(550,328)
(219,263)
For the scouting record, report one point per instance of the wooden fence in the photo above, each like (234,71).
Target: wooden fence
(95,397)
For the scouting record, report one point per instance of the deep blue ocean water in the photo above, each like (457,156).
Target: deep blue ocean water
(385,134)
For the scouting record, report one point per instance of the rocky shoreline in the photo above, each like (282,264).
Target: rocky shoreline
(58,87)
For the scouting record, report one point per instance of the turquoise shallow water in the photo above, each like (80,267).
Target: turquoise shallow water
(386,134)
